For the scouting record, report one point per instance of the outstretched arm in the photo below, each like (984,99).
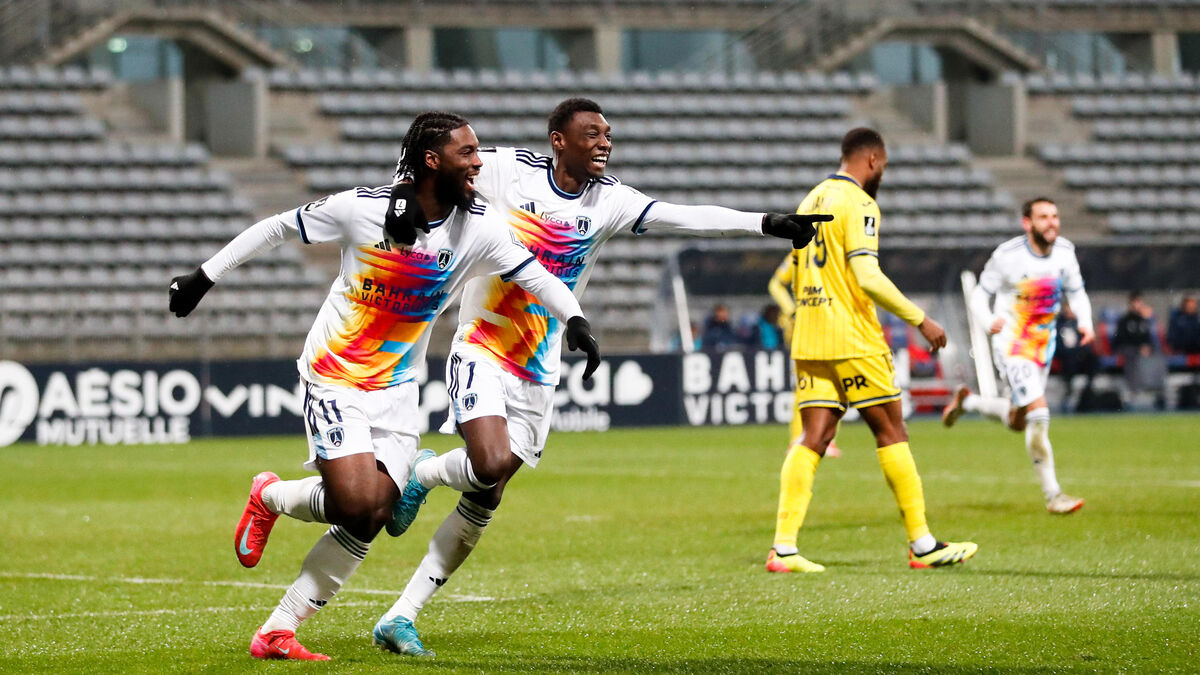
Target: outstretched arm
(799,228)
(186,291)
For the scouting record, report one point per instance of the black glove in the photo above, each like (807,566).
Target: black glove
(579,336)
(404,215)
(186,290)
(799,227)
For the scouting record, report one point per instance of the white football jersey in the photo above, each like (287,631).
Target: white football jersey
(1029,289)
(564,231)
(373,328)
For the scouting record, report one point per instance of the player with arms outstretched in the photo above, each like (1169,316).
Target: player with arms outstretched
(399,270)
(504,362)
(842,359)
(1028,276)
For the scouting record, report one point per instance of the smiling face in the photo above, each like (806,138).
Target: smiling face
(584,145)
(455,167)
(1042,224)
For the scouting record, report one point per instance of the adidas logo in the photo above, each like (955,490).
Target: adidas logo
(438,582)
(317,603)
(384,245)
(529,206)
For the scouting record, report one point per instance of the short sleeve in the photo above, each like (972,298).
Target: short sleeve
(498,164)
(990,280)
(630,207)
(861,227)
(325,219)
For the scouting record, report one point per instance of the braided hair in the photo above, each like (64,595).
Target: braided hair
(430,131)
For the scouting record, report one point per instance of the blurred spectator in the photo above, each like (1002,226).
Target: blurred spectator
(1145,370)
(1074,358)
(1183,331)
(766,332)
(1135,329)
(718,331)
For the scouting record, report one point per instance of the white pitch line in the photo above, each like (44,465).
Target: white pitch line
(235,584)
(149,612)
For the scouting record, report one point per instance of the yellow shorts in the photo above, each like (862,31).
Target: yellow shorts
(860,382)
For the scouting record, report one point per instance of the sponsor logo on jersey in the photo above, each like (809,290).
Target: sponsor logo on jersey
(869,225)
(469,402)
(583,224)
(445,255)
(335,436)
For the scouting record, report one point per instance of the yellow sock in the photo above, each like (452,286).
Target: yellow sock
(795,492)
(900,471)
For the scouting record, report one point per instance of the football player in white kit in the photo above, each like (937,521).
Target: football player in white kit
(1029,276)
(504,361)
(407,251)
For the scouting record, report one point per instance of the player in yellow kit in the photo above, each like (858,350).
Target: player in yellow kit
(783,292)
(843,360)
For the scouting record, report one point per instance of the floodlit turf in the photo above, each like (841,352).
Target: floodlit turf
(633,551)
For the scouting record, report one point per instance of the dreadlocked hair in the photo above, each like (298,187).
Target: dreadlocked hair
(430,131)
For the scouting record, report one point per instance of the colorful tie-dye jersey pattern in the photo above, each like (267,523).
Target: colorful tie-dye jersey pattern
(1035,308)
(522,343)
(394,295)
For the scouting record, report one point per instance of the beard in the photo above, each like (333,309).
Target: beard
(1040,239)
(871,186)
(449,190)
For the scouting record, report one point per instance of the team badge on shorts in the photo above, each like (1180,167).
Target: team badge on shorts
(444,257)
(583,224)
(468,401)
(335,436)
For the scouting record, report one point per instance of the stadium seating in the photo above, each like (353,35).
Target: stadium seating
(754,142)
(1143,151)
(92,230)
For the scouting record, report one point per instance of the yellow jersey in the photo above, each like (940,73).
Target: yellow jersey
(835,319)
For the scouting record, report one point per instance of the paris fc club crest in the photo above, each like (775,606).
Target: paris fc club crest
(469,402)
(583,224)
(335,437)
(444,257)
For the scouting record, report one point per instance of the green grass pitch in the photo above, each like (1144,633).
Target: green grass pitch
(633,551)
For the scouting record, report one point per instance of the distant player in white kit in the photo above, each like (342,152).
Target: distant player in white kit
(407,251)
(504,362)
(1029,276)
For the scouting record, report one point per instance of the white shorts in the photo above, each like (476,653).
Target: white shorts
(342,421)
(479,387)
(1026,379)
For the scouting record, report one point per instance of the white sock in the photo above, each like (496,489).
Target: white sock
(450,546)
(328,565)
(300,499)
(452,469)
(923,544)
(990,406)
(785,550)
(1037,442)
